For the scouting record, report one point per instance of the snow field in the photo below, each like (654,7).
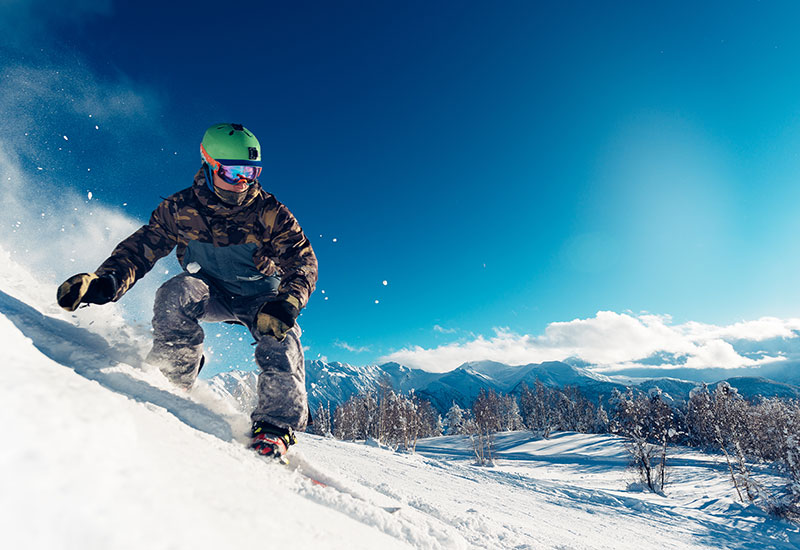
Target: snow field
(581,496)
(100,452)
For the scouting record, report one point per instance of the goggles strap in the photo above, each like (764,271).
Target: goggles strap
(209,159)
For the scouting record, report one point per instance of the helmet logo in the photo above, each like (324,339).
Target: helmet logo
(252,153)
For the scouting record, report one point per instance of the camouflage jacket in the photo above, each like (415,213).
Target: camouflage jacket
(253,249)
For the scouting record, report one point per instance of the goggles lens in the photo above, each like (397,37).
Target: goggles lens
(239,174)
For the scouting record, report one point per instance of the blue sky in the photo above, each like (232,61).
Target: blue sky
(502,166)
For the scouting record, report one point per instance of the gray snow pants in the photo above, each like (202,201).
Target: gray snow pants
(178,346)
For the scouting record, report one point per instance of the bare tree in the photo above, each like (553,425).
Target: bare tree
(510,415)
(539,408)
(601,420)
(743,432)
(392,418)
(730,423)
(323,423)
(487,420)
(648,423)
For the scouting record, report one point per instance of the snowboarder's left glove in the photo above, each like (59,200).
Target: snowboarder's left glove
(276,318)
(86,288)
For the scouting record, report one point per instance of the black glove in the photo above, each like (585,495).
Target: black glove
(277,317)
(86,288)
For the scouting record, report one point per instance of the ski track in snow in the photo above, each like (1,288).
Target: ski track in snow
(101,452)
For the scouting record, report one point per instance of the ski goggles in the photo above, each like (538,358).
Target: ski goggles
(238,174)
(232,174)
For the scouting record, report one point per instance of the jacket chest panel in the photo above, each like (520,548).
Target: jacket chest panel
(218,230)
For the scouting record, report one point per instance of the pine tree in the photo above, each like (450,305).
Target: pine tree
(455,420)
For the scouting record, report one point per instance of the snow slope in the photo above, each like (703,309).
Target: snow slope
(101,453)
(86,467)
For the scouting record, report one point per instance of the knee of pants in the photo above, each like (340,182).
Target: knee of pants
(182,294)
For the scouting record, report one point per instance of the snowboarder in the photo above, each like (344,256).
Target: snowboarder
(245,260)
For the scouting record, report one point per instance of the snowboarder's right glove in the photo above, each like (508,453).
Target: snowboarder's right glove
(86,288)
(276,318)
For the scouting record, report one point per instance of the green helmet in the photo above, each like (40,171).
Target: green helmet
(231,145)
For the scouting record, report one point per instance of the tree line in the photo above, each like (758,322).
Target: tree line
(394,419)
(766,430)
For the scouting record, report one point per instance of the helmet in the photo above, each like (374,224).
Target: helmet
(230,144)
(224,145)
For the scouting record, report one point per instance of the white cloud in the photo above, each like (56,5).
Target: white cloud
(611,341)
(348,347)
(757,331)
(717,353)
(442,330)
(611,337)
(505,347)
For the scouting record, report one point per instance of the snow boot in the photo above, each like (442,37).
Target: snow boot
(270,440)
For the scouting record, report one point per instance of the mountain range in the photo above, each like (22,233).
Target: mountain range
(330,384)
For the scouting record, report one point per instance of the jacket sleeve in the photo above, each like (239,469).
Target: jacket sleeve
(136,255)
(292,253)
